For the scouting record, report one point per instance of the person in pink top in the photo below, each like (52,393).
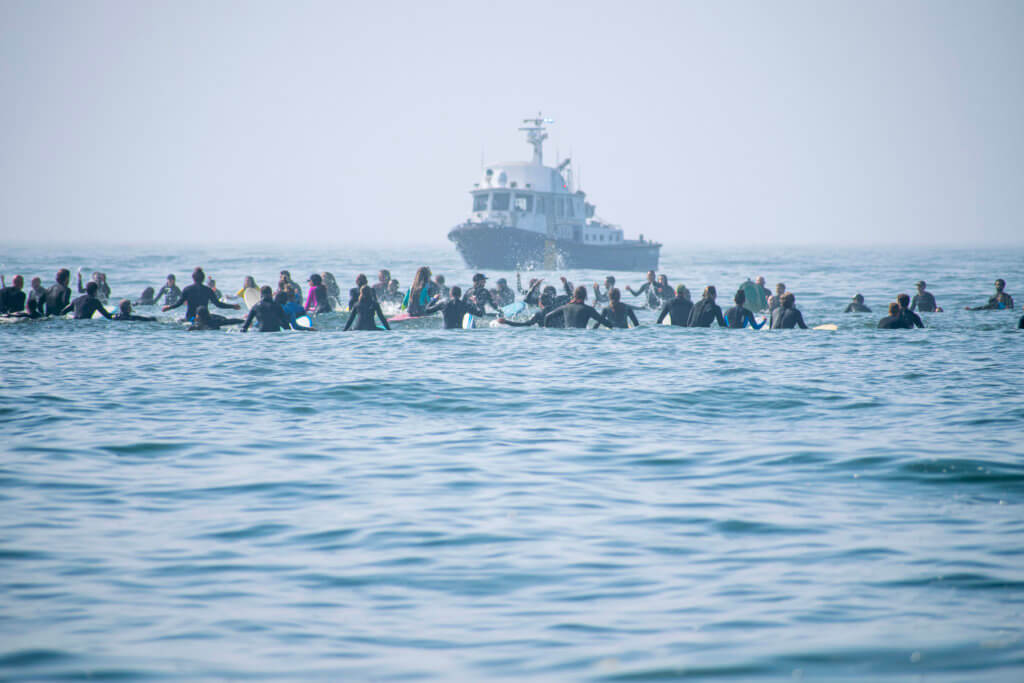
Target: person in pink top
(318,300)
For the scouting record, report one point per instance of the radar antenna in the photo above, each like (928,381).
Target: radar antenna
(536,135)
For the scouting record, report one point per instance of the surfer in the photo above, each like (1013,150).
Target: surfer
(380,287)
(205,320)
(706,311)
(366,309)
(857,305)
(787,315)
(170,291)
(502,295)
(393,294)
(353,293)
(197,294)
(213,288)
(249,282)
(577,313)
(479,295)
(420,294)
(103,289)
(618,313)
(12,299)
(36,298)
(333,290)
(765,292)
(775,300)
(146,298)
(650,287)
(531,295)
(545,302)
(125,313)
(443,290)
(913,319)
(268,314)
(678,308)
(58,296)
(453,309)
(87,304)
(739,316)
(997,302)
(602,297)
(319,299)
(292,308)
(285,283)
(895,319)
(923,300)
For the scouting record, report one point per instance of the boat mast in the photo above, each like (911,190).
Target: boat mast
(536,135)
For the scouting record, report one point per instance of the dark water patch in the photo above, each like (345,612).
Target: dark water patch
(255,531)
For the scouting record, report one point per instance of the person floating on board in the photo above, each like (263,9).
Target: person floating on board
(479,295)
(319,299)
(545,302)
(603,297)
(453,309)
(857,305)
(268,315)
(997,302)
(577,313)
(12,299)
(678,308)
(787,315)
(923,300)
(775,300)
(58,296)
(87,304)
(205,320)
(366,309)
(618,313)
(706,311)
(197,294)
(739,316)
(170,291)
(650,288)
(422,292)
(103,289)
(895,319)
(502,295)
(125,313)
(913,319)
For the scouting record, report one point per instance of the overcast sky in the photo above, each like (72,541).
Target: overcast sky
(692,122)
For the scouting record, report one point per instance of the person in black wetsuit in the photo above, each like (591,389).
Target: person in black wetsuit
(353,293)
(577,313)
(603,297)
(913,319)
(170,291)
(1020,324)
(706,311)
(545,302)
(146,298)
(285,283)
(453,310)
(532,294)
(895,319)
(678,308)
(663,289)
(650,287)
(618,313)
(12,299)
(366,309)
(205,320)
(502,295)
(268,314)
(213,288)
(775,300)
(87,304)
(197,294)
(125,313)
(479,295)
(857,305)
(787,315)
(58,296)
(923,300)
(381,286)
(103,289)
(739,316)
(764,290)
(997,302)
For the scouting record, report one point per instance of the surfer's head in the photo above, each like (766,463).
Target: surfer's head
(760,281)
(366,294)
(780,288)
(456,292)
(384,275)
(1000,284)
(920,284)
(198,276)
(479,280)
(315,280)
(171,279)
(502,283)
(903,300)
(788,300)
(740,298)
(18,282)
(63,276)
(125,306)
(682,292)
(651,276)
(859,298)
(439,279)
(147,294)
(202,316)
(614,295)
(361,280)
(710,293)
(609,281)
(266,293)
(422,277)
(580,294)
(91,288)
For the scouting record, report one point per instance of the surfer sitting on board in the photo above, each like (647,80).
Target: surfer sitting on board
(353,293)
(857,305)
(146,298)
(765,292)
(787,316)
(454,309)
(577,313)
(739,316)
(248,283)
(913,319)
(170,291)
(268,315)
(706,311)
(87,304)
(650,288)
(618,313)
(775,300)
(365,310)
(479,295)
(319,299)
(125,313)
(924,301)
(678,308)
(894,321)
(103,293)
(996,302)
(12,299)
(197,294)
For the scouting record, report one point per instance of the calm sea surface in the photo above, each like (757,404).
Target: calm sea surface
(649,504)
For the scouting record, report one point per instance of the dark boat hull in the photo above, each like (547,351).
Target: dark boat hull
(503,248)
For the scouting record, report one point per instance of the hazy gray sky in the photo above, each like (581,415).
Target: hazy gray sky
(859,122)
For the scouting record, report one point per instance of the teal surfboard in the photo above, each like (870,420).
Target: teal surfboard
(756,300)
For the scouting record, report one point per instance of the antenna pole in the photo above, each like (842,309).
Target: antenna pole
(536,135)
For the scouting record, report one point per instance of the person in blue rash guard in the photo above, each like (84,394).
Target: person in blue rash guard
(997,302)
(268,314)
(787,315)
(421,293)
(366,309)
(678,308)
(292,308)
(739,316)
(706,311)
(197,294)
(577,313)
(87,304)
(618,313)
(454,309)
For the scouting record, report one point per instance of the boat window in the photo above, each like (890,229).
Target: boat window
(568,208)
(524,202)
(480,202)
(500,201)
(541,206)
(560,207)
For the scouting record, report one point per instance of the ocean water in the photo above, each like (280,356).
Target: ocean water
(650,504)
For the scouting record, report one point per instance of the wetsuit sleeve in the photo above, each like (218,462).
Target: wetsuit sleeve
(351,316)
(800,321)
(215,300)
(435,307)
(549,315)
(104,312)
(66,309)
(916,319)
(632,316)
(601,319)
(753,323)
(380,314)
(664,311)
(163,290)
(537,319)
(719,318)
(179,302)
(567,286)
(248,319)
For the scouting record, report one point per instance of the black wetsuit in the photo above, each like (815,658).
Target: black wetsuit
(787,318)
(196,295)
(12,300)
(1020,325)
(269,315)
(577,315)
(739,317)
(923,302)
(997,302)
(137,318)
(913,319)
(621,317)
(364,313)
(58,297)
(894,322)
(536,319)
(213,322)
(37,302)
(503,297)
(704,313)
(678,309)
(84,306)
(481,296)
(855,307)
(173,295)
(453,311)
(323,299)
(102,290)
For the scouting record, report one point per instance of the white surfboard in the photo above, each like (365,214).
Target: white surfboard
(251,295)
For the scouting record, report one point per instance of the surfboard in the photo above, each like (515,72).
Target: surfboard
(251,296)
(756,300)
(829,327)
(667,320)
(468,321)
(513,309)
(304,321)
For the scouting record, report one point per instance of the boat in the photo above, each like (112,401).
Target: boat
(528,216)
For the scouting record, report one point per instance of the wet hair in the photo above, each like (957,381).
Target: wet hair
(610,279)
(198,275)
(266,293)
(683,292)
(501,281)
(710,291)
(788,299)
(760,280)
(18,281)
(316,280)
(1000,283)
(171,277)
(422,277)
(650,273)
(125,306)
(780,286)
(580,293)
(439,279)
(547,300)
(456,292)
(859,298)
(894,309)
(740,298)
(366,294)
(903,300)
(615,299)
(328,276)
(250,281)
(285,273)
(147,294)
(361,280)
(385,272)
(549,289)
(91,288)
(663,279)
(63,276)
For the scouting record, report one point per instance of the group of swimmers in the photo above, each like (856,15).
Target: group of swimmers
(282,308)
